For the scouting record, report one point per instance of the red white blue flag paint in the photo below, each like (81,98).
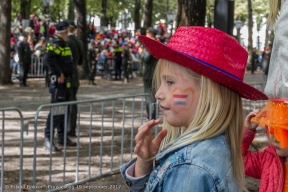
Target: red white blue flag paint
(179,99)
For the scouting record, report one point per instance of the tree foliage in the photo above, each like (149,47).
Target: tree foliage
(260,8)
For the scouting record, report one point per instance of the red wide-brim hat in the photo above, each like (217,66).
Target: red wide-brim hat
(209,52)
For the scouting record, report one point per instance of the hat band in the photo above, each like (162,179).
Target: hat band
(212,66)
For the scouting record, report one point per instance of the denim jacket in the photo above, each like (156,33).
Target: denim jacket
(201,166)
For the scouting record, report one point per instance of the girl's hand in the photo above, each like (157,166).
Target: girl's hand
(251,125)
(147,147)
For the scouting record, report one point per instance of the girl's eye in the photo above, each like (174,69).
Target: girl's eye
(169,82)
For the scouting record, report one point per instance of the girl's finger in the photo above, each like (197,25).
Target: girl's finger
(144,130)
(137,147)
(160,136)
(150,123)
(142,133)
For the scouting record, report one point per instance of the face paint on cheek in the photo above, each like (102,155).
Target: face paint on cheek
(182,99)
(179,99)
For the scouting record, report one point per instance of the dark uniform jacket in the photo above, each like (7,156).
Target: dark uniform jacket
(149,63)
(24,53)
(58,58)
(76,47)
(265,62)
(126,56)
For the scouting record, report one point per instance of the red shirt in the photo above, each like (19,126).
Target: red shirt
(265,165)
(52,30)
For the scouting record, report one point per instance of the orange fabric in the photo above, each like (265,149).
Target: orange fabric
(275,116)
(98,36)
(285,188)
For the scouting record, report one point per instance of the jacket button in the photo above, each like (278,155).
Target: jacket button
(129,183)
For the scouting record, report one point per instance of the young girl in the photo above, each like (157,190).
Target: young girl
(268,165)
(274,115)
(199,81)
(276,110)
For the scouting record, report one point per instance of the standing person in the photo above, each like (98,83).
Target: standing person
(92,55)
(199,147)
(76,47)
(24,54)
(126,61)
(44,29)
(269,165)
(254,60)
(118,60)
(18,20)
(58,58)
(149,63)
(265,62)
(37,29)
(40,48)
(32,22)
(276,109)
(103,62)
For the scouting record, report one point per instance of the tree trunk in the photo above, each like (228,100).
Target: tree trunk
(23,9)
(5,26)
(250,28)
(191,13)
(147,15)
(104,21)
(71,15)
(80,6)
(137,14)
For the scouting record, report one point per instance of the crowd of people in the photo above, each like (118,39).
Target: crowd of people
(114,54)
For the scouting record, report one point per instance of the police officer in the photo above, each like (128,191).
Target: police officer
(149,63)
(24,54)
(60,63)
(76,47)
(92,55)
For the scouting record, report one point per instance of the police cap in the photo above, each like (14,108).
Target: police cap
(70,22)
(61,26)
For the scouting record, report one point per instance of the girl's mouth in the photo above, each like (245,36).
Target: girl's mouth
(164,108)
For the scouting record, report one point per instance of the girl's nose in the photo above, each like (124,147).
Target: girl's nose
(159,94)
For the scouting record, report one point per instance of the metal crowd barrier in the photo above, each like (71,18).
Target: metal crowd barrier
(103,124)
(8,120)
(37,68)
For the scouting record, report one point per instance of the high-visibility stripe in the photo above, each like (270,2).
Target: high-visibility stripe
(57,51)
(66,53)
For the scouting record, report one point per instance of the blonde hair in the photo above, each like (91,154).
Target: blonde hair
(274,6)
(219,111)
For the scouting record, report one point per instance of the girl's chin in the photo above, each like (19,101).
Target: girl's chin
(173,123)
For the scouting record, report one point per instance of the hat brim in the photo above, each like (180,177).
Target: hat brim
(161,51)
